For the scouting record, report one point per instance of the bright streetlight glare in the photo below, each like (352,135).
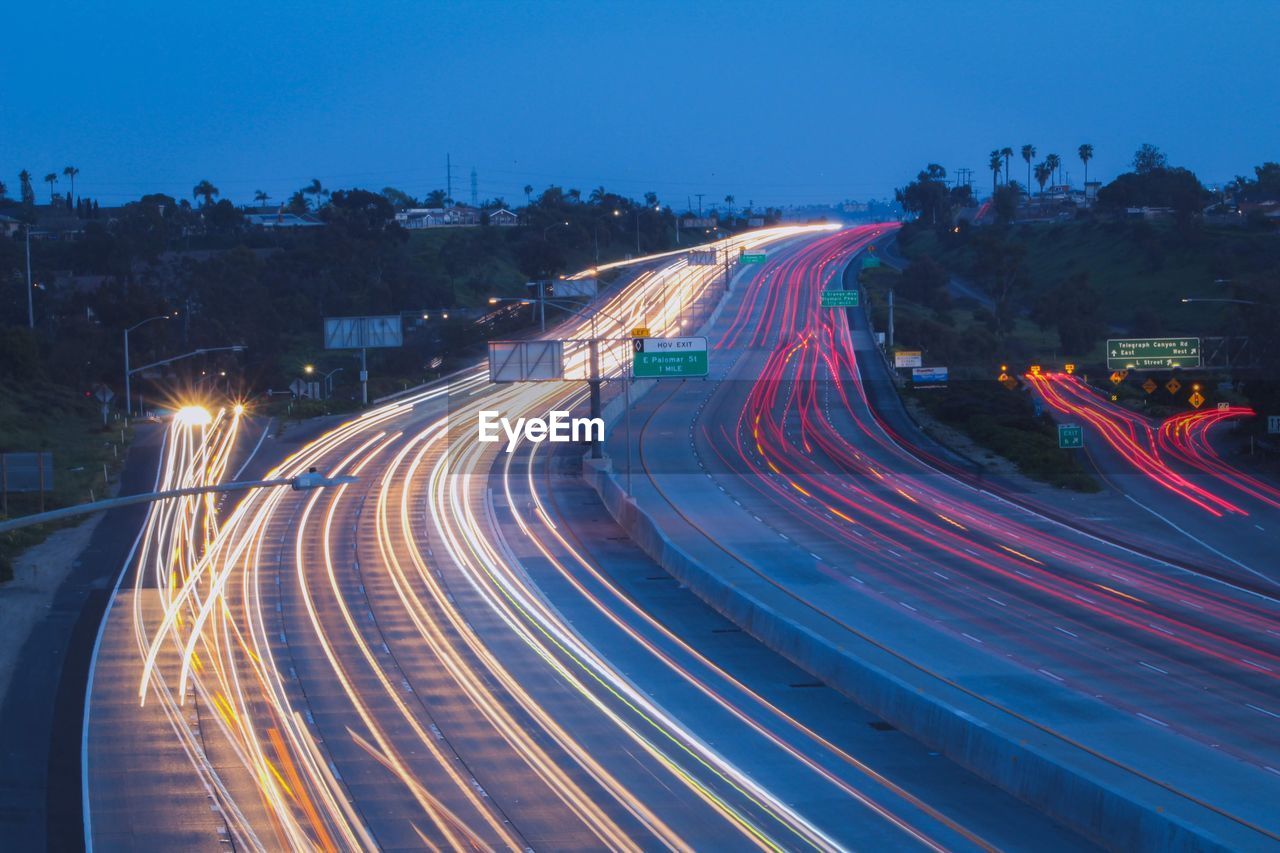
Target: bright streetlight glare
(193,416)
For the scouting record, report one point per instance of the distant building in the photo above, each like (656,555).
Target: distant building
(438,217)
(281,220)
(9,226)
(503,218)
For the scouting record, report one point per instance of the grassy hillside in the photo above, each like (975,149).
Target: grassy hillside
(47,417)
(1140,270)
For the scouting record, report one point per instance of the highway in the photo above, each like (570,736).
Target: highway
(785,477)
(374,665)
(1171,471)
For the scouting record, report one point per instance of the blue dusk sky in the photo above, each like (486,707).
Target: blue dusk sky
(776,103)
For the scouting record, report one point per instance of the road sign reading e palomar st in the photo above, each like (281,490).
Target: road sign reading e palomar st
(669,358)
(1152,353)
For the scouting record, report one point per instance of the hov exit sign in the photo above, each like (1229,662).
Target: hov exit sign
(668,358)
(1070,436)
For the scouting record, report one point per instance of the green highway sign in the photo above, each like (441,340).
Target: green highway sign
(1070,436)
(752,258)
(1152,353)
(839,299)
(669,358)
(870,261)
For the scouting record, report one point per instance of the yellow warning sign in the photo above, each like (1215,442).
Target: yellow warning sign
(1173,386)
(1149,386)
(1196,399)
(1008,381)
(640,332)
(1118,376)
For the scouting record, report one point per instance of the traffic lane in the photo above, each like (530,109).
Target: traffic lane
(1112,520)
(1055,634)
(1230,527)
(684,419)
(759,742)
(714,532)
(503,774)
(358,680)
(1238,685)
(820,724)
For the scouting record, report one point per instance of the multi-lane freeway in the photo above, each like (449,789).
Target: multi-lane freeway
(811,493)
(462,649)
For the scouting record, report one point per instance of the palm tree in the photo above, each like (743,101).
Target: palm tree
(315,189)
(71,172)
(1043,173)
(1053,161)
(24,183)
(1086,154)
(729,200)
(1028,153)
(51,179)
(1007,153)
(996,164)
(261,198)
(597,195)
(205,190)
(528,194)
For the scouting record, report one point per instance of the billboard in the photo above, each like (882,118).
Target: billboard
(362,332)
(929,376)
(26,472)
(907,358)
(702,258)
(526,361)
(566,287)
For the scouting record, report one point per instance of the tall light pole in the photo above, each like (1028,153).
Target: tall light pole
(31,309)
(128,400)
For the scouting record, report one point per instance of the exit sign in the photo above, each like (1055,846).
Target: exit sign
(668,358)
(1070,436)
(839,299)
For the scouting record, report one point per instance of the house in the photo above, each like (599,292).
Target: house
(9,226)
(503,218)
(437,217)
(281,220)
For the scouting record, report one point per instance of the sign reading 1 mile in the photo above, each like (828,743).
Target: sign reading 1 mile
(839,299)
(669,358)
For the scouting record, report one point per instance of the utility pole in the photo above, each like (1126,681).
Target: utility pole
(890,336)
(475,195)
(448,179)
(364,377)
(699,195)
(31,309)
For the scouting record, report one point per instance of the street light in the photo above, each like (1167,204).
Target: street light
(328,386)
(128,400)
(564,224)
(1235,301)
